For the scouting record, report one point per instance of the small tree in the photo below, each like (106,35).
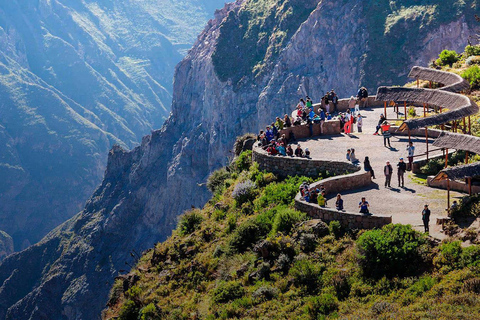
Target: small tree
(447,57)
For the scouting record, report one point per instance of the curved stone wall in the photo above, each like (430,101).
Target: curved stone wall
(293,166)
(349,220)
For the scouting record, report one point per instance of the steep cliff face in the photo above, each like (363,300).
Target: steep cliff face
(75,78)
(145,189)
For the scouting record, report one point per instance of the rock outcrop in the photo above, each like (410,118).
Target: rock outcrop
(68,274)
(75,78)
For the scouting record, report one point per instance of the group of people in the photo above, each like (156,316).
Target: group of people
(313,194)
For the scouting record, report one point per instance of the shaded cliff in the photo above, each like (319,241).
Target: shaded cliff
(75,78)
(145,189)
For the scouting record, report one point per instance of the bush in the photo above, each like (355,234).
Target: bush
(216,180)
(335,228)
(265,293)
(472,51)
(228,291)
(247,234)
(473,60)
(433,167)
(149,312)
(472,75)
(395,250)
(243,192)
(243,161)
(322,305)
(470,257)
(286,219)
(189,222)
(449,255)
(447,57)
(412,112)
(280,193)
(129,311)
(306,275)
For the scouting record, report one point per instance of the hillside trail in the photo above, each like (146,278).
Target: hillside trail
(403,204)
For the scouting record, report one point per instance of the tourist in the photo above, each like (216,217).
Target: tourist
(302,188)
(426,217)
(368,167)
(307,153)
(348,155)
(348,122)
(274,130)
(334,99)
(281,150)
(322,120)
(279,124)
(380,122)
(299,151)
(342,122)
(326,101)
(298,121)
(411,152)
(321,200)
(386,134)
(351,103)
(388,170)
(401,168)
(289,151)
(287,122)
(272,149)
(359,122)
(453,208)
(309,104)
(353,158)
(329,116)
(269,134)
(362,95)
(339,202)
(301,104)
(306,195)
(364,205)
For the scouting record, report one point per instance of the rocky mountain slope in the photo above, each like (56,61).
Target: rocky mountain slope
(77,77)
(304,47)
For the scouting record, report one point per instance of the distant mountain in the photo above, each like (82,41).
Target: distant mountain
(76,77)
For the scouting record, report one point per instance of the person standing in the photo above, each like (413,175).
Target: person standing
(426,217)
(363,205)
(386,134)
(388,170)
(411,152)
(401,168)
(348,122)
(368,167)
(359,122)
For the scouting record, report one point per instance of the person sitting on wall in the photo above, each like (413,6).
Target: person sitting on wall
(298,121)
(364,206)
(314,192)
(302,187)
(334,99)
(274,131)
(287,122)
(339,202)
(353,157)
(279,123)
(329,116)
(272,148)
(281,150)
(321,199)
(299,151)
(289,151)
(309,103)
(380,122)
(269,134)
(307,153)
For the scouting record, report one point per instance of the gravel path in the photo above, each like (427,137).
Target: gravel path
(404,204)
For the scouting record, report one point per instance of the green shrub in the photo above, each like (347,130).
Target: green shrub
(189,222)
(472,75)
(244,192)
(243,161)
(216,180)
(335,228)
(422,285)
(286,219)
(447,57)
(306,274)
(433,167)
(247,234)
(473,60)
(470,256)
(395,250)
(472,51)
(265,293)
(280,193)
(149,312)
(228,291)
(449,255)
(129,311)
(412,112)
(321,305)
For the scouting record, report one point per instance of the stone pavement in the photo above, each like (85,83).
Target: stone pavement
(404,204)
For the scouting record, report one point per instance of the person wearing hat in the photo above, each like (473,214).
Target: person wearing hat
(426,217)
(401,168)
(388,170)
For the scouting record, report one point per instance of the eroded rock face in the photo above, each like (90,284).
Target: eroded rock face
(71,271)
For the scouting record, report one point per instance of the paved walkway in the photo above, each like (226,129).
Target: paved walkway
(404,204)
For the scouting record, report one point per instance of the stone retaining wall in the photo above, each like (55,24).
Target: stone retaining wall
(330,127)
(454,185)
(292,166)
(349,220)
